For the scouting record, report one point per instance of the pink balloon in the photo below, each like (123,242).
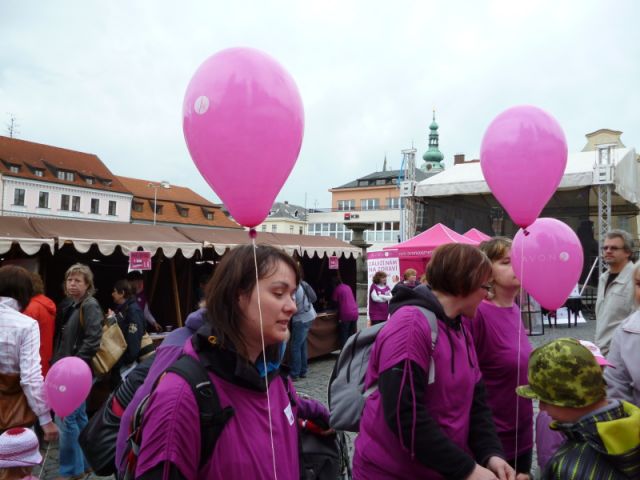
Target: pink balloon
(243,122)
(67,385)
(523,157)
(547,258)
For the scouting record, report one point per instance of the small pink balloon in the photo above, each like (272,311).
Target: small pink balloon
(67,384)
(547,259)
(523,158)
(243,122)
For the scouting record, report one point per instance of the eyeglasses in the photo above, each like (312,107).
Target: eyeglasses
(486,287)
(612,248)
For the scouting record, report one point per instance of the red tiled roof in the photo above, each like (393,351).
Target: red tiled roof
(172,201)
(30,156)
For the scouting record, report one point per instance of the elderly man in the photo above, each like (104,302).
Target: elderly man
(615,289)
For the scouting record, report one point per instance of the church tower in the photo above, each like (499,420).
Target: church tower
(433,156)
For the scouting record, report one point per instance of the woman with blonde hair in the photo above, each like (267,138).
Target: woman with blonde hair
(503,354)
(78,333)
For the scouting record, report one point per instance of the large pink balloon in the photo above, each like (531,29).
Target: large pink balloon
(67,384)
(243,122)
(523,157)
(548,261)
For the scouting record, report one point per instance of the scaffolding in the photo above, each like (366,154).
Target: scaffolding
(407,198)
(603,175)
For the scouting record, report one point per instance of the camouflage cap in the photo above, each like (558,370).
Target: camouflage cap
(564,373)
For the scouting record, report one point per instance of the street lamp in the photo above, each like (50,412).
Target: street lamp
(163,184)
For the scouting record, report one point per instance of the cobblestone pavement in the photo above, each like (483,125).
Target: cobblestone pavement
(315,385)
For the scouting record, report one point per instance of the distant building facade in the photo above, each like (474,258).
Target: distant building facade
(174,205)
(285,217)
(46,181)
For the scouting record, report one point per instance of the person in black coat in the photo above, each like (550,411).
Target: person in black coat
(130,319)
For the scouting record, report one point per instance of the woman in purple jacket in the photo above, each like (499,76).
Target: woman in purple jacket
(241,347)
(379,296)
(503,354)
(428,418)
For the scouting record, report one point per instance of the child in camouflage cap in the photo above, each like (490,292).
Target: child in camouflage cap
(603,436)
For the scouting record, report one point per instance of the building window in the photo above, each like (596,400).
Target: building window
(90,180)
(14,168)
(38,172)
(43,200)
(274,228)
(290,228)
(394,203)
(75,205)
(95,205)
(182,211)
(158,209)
(381,181)
(264,227)
(64,175)
(209,215)
(18,197)
(137,206)
(64,202)
(112,207)
(383,232)
(301,231)
(336,230)
(344,205)
(370,204)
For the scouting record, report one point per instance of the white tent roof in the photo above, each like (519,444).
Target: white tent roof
(467,178)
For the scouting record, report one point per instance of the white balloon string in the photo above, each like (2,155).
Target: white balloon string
(44,461)
(522,298)
(264,360)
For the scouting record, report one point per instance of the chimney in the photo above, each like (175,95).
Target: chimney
(286,202)
(458,158)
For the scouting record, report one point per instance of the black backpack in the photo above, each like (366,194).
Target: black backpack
(213,417)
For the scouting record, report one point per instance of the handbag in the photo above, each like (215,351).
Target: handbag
(112,347)
(99,437)
(14,407)
(147,348)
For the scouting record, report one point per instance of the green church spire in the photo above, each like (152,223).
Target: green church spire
(433,156)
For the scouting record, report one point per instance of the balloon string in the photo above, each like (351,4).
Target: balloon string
(522,294)
(264,359)
(44,461)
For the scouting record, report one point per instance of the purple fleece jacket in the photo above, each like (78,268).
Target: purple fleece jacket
(167,353)
(499,338)
(379,452)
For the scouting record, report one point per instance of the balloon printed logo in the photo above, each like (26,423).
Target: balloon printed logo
(564,256)
(202,105)
(62,388)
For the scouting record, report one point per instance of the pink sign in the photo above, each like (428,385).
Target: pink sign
(333,263)
(139,260)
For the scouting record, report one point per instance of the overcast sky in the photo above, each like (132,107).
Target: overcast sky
(109,77)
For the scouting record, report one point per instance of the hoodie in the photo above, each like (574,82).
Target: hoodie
(602,444)
(412,429)
(43,310)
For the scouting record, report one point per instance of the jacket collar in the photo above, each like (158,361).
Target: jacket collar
(633,324)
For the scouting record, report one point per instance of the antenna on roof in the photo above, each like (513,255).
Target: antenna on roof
(12,125)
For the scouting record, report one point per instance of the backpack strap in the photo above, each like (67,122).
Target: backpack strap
(213,417)
(433,323)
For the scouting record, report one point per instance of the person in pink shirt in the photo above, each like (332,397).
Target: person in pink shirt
(503,351)
(343,296)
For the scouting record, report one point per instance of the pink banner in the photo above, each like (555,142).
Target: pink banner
(139,260)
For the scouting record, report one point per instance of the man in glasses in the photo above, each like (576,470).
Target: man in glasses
(615,288)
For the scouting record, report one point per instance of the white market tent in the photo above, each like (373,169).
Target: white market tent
(467,179)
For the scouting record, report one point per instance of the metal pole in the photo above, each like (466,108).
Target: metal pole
(155,202)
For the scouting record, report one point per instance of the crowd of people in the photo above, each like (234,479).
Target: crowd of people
(452,399)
